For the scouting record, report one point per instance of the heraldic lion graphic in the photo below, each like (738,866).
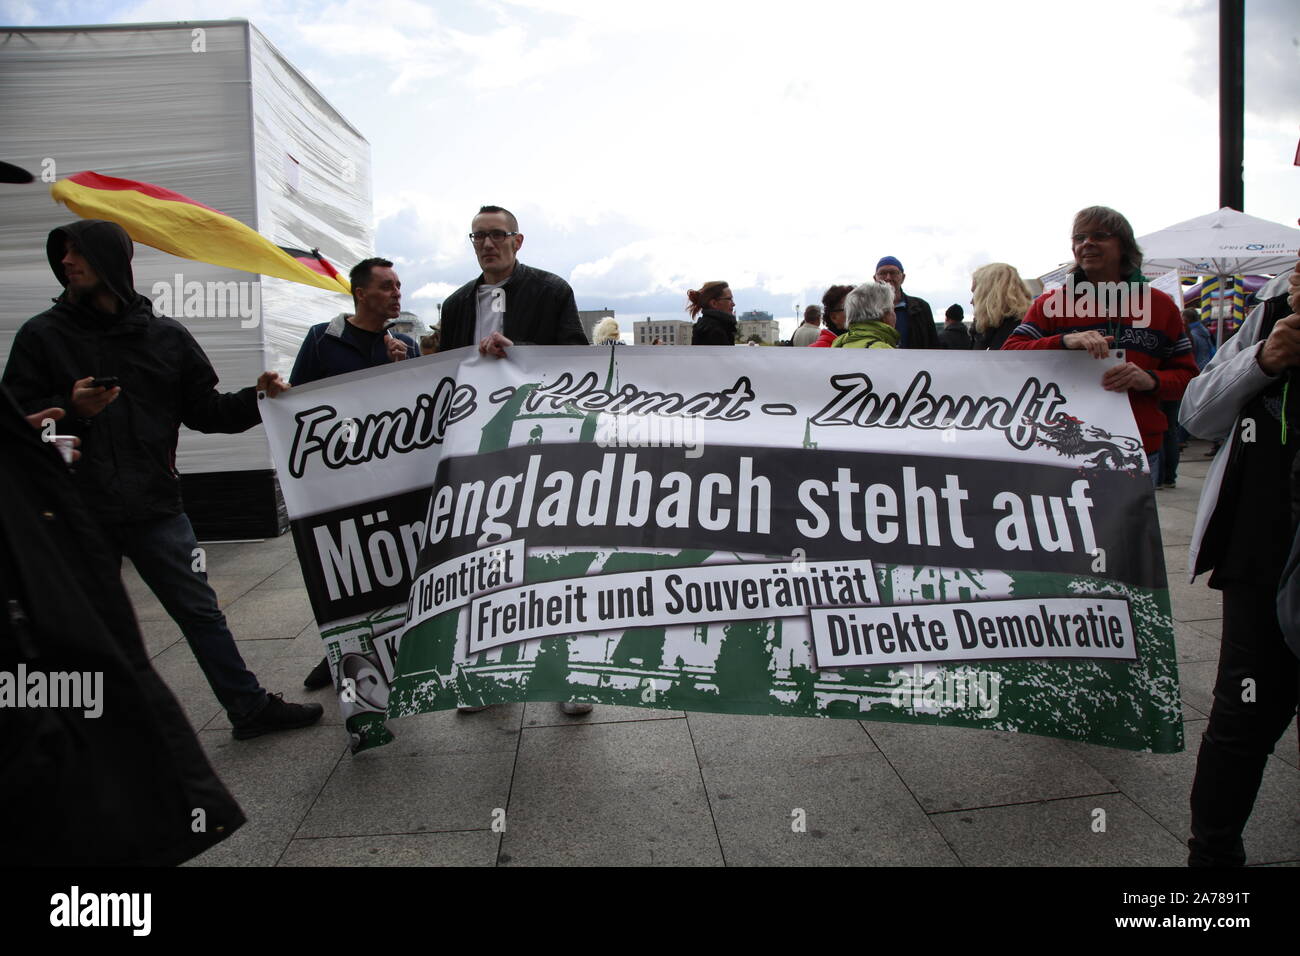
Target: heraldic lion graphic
(1099,448)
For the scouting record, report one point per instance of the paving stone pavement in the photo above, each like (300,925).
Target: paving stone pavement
(660,788)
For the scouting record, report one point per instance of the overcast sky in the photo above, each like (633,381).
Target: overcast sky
(783,147)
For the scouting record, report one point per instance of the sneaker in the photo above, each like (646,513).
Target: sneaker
(574,709)
(277,715)
(472,710)
(320,676)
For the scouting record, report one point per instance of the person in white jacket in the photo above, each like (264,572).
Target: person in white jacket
(1248,396)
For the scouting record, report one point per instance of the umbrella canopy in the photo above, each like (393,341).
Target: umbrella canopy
(1224,243)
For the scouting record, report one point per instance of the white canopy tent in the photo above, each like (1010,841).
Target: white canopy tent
(1224,243)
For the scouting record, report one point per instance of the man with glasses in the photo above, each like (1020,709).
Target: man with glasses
(510,303)
(915,320)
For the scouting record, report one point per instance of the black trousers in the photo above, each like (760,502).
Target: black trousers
(1245,723)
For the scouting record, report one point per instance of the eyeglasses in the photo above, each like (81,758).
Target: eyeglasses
(496,235)
(1079,237)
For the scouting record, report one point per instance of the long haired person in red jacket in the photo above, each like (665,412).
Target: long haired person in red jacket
(1105,304)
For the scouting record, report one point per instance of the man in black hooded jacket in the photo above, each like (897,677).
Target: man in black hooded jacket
(101,327)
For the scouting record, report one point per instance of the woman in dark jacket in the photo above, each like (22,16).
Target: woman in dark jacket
(714,311)
(1001,300)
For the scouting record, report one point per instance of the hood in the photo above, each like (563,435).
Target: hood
(107,249)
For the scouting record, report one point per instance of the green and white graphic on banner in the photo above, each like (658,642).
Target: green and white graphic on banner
(960,539)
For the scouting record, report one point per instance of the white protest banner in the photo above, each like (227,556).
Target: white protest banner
(847,533)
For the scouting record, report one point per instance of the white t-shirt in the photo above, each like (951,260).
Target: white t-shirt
(491,310)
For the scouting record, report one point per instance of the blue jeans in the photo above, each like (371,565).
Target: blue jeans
(162,550)
(1154,462)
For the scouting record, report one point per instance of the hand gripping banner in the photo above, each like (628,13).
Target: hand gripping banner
(967,539)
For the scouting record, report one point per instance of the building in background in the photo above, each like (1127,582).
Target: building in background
(667,331)
(212,110)
(590,318)
(761,324)
(411,324)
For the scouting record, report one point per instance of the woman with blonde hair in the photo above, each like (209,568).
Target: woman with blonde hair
(715,308)
(606,333)
(1001,300)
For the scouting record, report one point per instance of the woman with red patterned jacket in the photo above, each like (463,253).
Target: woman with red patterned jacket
(1107,304)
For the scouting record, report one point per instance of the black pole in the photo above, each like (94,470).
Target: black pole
(1232,36)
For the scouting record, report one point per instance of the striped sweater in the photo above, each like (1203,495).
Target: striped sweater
(1158,345)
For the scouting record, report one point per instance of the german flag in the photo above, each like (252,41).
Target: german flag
(314,261)
(174,223)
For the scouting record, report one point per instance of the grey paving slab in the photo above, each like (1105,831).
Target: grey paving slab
(1288,749)
(159,635)
(135,587)
(306,645)
(275,613)
(231,587)
(463,848)
(495,730)
(289,576)
(1175,560)
(948,768)
(275,779)
(849,810)
(548,714)
(1176,516)
(1162,784)
(725,738)
(247,558)
(1060,833)
(1196,683)
(369,795)
(146,607)
(180,672)
(1194,602)
(1192,644)
(1175,537)
(610,793)
(1212,629)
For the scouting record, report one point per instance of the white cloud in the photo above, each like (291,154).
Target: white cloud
(434,290)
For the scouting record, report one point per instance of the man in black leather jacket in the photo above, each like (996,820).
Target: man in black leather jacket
(509,303)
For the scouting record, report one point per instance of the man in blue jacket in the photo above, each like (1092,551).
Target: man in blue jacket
(349,343)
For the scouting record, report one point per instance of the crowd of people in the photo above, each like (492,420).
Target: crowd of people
(122,380)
